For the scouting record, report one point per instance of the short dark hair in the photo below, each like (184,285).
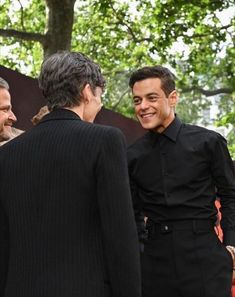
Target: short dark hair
(64,75)
(164,74)
(4,84)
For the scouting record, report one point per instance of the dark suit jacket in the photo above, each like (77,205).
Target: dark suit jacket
(67,225)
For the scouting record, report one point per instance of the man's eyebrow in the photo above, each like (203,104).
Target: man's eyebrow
(152,93)
(148,94)
(5,106)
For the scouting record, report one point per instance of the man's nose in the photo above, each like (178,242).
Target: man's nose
(144,104)
(12,117)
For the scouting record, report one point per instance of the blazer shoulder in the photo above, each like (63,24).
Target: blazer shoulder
(107,131)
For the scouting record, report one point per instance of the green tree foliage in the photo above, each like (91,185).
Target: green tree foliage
(190,37)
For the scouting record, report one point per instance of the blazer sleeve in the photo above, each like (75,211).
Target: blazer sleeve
(117,217)
(4,250)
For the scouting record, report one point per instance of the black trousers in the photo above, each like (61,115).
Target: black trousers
(185,262)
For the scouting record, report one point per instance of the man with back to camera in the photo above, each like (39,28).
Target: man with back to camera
(176,171)
(66,217)
(7,117)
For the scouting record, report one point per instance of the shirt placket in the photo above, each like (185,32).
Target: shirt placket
(163,155)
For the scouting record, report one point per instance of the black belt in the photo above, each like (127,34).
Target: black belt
(196,226)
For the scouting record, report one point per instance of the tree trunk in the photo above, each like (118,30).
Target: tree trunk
(59,26)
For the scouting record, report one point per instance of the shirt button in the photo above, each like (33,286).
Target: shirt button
(166,228)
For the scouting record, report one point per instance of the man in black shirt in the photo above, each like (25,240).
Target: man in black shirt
(176,172)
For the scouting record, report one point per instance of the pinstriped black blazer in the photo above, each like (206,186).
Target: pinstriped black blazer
(66,221)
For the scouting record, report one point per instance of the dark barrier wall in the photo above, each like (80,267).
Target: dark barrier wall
(27,99)
(131,129)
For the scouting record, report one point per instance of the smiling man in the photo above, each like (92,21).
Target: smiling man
(7,117)
(176,172)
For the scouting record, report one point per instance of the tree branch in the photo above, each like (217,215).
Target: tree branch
(197,35)
(23,35)
(129,29)
(114,107)
(208,93)
(21,15)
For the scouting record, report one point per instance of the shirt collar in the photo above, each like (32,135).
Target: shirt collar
(173,129)
(170,132)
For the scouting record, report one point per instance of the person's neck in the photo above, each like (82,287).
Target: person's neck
(167,123)
(79,110)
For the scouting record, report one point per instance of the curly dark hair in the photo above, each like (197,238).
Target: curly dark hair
(64,75)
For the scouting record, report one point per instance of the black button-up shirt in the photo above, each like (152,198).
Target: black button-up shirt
(179,173)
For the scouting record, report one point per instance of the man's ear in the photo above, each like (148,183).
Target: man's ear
(173,98)
(87,94)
